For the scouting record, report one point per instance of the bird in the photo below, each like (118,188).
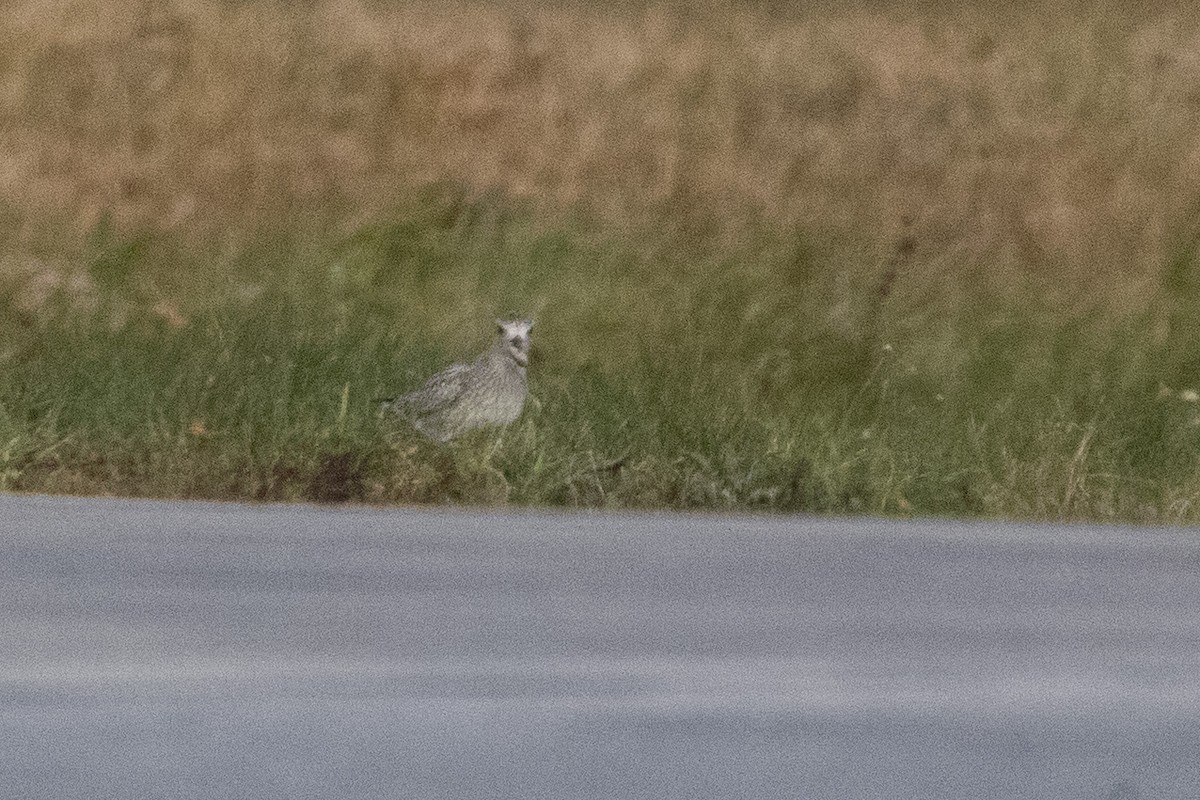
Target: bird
(489,392)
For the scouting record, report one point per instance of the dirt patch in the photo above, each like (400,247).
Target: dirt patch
(338,479)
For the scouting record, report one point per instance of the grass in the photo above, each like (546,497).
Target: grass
(932,260)
(738,380)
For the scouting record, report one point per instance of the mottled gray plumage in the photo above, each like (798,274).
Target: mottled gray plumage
(490,391)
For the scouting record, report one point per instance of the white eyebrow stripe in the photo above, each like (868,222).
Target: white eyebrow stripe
(518,328)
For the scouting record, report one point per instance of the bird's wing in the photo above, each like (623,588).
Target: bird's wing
(437,393)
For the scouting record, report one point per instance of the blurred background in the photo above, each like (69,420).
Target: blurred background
(1016,142)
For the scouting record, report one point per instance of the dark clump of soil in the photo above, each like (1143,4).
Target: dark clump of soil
(338,479)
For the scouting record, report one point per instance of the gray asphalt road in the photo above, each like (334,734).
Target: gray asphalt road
(154,650)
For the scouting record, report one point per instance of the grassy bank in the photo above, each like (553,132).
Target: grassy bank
(931,260)
(764,378)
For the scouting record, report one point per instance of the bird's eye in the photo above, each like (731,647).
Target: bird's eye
(515,341)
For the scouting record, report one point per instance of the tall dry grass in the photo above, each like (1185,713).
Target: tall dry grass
(1040,147)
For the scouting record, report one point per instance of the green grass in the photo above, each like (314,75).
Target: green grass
(666,375)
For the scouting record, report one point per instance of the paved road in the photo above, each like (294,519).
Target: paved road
(153,650)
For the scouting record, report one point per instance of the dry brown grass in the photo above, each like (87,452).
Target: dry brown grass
(1045,147)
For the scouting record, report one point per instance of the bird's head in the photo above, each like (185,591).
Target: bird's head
(514,334)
